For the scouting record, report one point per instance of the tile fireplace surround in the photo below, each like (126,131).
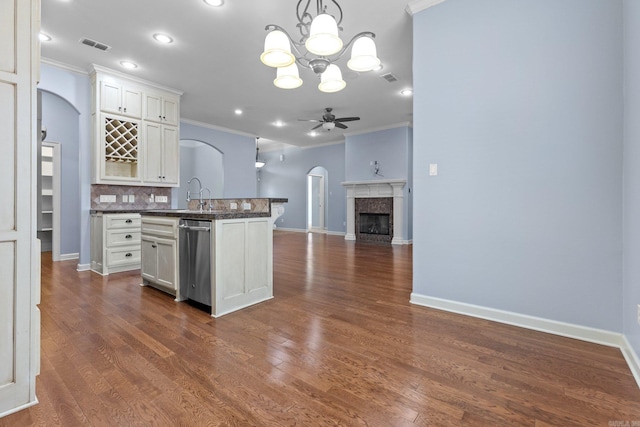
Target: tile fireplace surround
(376,189)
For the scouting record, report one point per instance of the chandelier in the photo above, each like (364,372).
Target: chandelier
(318,48)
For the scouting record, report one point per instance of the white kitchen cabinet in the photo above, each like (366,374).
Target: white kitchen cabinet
(162,154)
(118,156)
(243,259)
(160,253)
(115,242)
(119,98)
(125,152)
(161,109)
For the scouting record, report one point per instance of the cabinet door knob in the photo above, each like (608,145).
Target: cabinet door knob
(160,117)
(125,109)
(164,118)
(128,236)
(129,254)
(129,221)
(119,108)
(153,246)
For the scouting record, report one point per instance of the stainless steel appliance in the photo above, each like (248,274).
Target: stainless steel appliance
(195,260)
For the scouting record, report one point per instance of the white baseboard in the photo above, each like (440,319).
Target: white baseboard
(584,333)
(84,267)
(402,242)
(296,230)
(336,233)
(632,359)
(68,257)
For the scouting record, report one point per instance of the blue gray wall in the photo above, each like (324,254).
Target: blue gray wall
(288,178)
(204,162)
(239,157)
(392,149)
(62,122)
(75,88)
(631,259)
(520,105)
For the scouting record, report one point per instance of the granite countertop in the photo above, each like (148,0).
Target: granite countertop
(206,215)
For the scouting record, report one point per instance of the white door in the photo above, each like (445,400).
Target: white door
(315,203)
(19,250)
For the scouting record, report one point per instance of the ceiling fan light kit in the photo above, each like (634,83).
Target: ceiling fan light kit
(319,48)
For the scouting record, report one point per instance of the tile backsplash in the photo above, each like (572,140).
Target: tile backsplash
(141,197)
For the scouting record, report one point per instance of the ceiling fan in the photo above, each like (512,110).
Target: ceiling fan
(329,121)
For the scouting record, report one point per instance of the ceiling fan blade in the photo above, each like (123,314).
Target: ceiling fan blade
(347,119)
(340,125)
(316,127)
(309,120)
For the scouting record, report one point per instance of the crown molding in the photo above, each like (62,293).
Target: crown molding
(416,6)
(214,127)
(380,128)
(63,66)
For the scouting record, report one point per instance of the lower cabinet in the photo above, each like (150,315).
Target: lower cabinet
(160,253)
(243,255)
(115,242)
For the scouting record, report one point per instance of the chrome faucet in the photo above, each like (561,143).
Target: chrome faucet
(208,191)
(199,192)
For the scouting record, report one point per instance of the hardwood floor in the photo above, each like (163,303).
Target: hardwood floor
(338,345)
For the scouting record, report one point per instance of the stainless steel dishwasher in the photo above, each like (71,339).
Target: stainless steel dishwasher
(195,260)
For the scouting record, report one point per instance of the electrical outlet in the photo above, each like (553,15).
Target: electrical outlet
(233,206)
(162,199)
(246,206)
(125,198)
(108,198)
(152,198)
(132,198)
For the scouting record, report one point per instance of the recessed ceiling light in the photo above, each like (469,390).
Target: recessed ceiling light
(129,65)
(279,123)
(44,37)
(406,92)
(162,38)
(238,111)
(214,3)
(313,133)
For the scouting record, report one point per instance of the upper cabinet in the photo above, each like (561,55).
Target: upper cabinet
(135,131)
(161,109)
(120,99)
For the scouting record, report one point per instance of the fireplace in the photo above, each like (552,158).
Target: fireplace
(376,197)
(374,219)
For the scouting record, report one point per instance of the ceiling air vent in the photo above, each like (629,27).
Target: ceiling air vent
(95,44)
(389,77)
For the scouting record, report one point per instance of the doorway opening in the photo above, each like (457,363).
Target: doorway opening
(316,200)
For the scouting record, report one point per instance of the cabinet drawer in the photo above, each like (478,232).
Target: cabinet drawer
(122,238)
(122,221)
(123,256)
(161,227)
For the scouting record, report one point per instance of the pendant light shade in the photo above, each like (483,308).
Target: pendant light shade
(288,77)
(363,55)
(277,50)
(331,80)
(323,37)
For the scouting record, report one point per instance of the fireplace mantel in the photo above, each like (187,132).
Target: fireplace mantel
(377,188)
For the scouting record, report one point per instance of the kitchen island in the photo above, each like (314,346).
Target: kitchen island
(239,260)
(220,256)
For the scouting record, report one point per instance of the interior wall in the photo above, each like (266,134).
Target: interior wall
(239,158)
(204,162)
(392,149)
(520,105)
(62,123)
(76,89)
(288,178)
(631,263)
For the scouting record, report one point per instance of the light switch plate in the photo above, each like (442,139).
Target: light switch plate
(246,206)
(162,199)
(433,169)
(125,198)
(233,205)
(132,198)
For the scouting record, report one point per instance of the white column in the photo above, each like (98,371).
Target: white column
(351,214)
(398,214)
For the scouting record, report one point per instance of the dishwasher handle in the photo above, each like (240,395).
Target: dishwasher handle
(194,228)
